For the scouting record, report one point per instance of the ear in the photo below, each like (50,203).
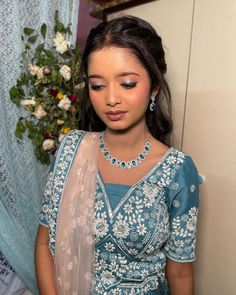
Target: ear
(155,90)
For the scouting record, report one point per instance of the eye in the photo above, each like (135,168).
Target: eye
(129,85)
(96,87)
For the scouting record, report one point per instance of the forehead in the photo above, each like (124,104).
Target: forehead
(114,58)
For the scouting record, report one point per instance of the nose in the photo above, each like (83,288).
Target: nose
(112,97)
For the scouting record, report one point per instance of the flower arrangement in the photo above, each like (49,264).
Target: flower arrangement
(48,89)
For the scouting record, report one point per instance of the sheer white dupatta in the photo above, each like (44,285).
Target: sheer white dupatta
(74,255)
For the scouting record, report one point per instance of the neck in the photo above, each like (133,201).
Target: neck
(126,139)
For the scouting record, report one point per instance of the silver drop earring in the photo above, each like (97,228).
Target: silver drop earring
(152,104)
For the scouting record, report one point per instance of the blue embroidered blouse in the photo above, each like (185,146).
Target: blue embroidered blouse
(151,220)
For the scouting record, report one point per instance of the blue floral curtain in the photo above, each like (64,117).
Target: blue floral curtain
(22,178)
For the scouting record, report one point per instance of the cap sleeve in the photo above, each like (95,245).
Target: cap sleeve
(43,216)
(183,203)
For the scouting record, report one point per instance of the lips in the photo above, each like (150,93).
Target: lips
(115,115)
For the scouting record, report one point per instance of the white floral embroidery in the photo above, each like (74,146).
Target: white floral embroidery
(114,266)
(193,211)
(99,289)
(99,205)
(171,159)
(117,291)
(107,277)
(181,246)
(142,229)
(150,192)
(128,208)
(121,228)
(176,203)
(101,225)
(192,188)
(175,186)
(191,223)
(109,247)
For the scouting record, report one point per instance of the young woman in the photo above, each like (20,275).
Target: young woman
(120,207)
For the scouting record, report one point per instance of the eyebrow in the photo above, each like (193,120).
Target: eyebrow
(122,74)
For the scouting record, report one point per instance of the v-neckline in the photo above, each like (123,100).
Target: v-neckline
(111,212)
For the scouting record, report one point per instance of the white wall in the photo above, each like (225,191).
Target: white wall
(210,135)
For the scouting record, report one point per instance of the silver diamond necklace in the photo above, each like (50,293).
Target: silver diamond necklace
(124,164)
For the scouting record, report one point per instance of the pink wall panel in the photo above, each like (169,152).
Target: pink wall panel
(85,22)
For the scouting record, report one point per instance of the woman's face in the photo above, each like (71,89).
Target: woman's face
(119,88)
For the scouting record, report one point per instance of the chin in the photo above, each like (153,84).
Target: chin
(119,129)
(123,126)
(116,125)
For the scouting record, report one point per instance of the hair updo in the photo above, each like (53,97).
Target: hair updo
(143,41)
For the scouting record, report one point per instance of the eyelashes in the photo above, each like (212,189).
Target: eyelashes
(129,85)
(126,85)
(96,87)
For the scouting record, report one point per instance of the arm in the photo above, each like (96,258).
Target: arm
(183,198)
(44,263)
(180,277)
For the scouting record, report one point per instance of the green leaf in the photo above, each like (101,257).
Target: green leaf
(27,46)
(38,139)
(42,60)
(59,27)
(54,75)
(32,39)
(29,125)
(42,156)
(24,54)
(23,78)
(15,95)
(59,79)
(68,30)
(28,31)
(13,92)
(52,59)
(43,30)
(31,133)
(56,16)
(48,52)
(21,92)
(20,128)
(39,48)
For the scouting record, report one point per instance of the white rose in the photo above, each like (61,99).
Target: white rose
(40,74)
(59,38)
(39,112)
(65,71)
(62,47)
(60,122)
(48,144)
(60,43)
(60,137)
(33,69)
(64,103)
(36,70)
(28,102)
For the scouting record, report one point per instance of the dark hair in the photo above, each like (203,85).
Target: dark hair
(142,40)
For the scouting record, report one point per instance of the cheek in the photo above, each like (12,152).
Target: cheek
(95,99)
(142,95)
